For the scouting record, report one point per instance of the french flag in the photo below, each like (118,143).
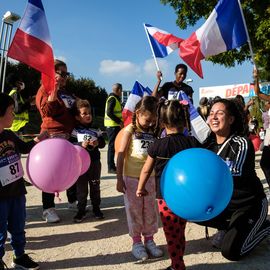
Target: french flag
(137,93)
(162,42)
(32,44)
(224,30)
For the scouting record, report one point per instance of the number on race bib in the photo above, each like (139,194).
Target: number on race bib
(14,168)
(87,137)
(145,144)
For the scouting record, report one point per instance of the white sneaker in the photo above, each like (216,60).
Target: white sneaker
(139,252)
(218,239)
(50,215)
(152,248)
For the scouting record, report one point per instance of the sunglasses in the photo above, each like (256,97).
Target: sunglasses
(63,74)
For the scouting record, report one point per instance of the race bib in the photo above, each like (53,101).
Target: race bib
(10,169)
(68,100)
(172,94)
(141,142)
(86,134)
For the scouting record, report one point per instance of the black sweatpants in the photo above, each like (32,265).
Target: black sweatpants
(91,178)
(265,163)
(245,229)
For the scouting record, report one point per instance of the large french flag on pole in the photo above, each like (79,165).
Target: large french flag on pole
(137,92)
(32,44)
(224,30)
(162,42)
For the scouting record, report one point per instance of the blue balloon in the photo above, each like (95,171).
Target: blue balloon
(196,184)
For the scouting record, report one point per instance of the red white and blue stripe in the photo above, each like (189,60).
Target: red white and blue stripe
(224,30)
(137,92)
(32,44)
(162,42)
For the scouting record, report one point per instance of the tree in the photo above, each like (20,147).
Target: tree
(86,88)
(83,88)
(256,14)
(30,76)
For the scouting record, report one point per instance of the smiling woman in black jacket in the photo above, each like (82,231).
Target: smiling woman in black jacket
(242,225)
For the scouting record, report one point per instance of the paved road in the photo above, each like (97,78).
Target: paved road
(105,244)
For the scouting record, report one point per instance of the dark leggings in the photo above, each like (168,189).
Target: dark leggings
(265,163)
(174,229)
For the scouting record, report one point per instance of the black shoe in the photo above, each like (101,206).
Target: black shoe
(2,265)
(113,171)
(79,217)
(24,262)
(98,214)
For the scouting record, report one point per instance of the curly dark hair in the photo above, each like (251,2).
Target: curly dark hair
(233,107)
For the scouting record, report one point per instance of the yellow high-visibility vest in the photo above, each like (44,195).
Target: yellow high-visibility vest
(20,119)
(108,122)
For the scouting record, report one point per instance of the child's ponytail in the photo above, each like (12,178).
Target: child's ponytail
(173,113)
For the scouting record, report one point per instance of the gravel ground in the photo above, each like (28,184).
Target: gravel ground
(105,244)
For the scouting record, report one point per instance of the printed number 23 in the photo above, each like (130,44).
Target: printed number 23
(14,168)
(145,144)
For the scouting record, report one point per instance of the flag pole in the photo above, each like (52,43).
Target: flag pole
(248,39)
(155,59)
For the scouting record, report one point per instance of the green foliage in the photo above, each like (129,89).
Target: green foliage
(85,88)
(256,14)
(30,76)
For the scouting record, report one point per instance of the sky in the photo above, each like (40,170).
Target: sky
(104,40)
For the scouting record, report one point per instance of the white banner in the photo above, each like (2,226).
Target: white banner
(227,91)
(231,91)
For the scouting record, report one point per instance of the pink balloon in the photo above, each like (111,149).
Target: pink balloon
(53,165)
(85,158)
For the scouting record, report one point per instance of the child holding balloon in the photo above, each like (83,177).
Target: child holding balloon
(141,212)
(12,188)
(91,140)
(174,117)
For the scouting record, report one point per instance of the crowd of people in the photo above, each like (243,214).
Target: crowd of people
(160,128)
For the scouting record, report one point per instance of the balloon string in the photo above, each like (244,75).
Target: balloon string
(56,194)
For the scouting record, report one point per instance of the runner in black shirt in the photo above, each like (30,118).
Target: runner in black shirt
(170,90)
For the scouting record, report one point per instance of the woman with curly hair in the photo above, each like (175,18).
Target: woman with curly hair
(243,224)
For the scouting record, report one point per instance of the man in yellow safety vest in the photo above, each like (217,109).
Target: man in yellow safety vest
(22,105)
(113,122)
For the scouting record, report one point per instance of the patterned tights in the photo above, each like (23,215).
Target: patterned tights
(174,229)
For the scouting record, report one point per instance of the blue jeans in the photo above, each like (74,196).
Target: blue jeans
(12,220)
